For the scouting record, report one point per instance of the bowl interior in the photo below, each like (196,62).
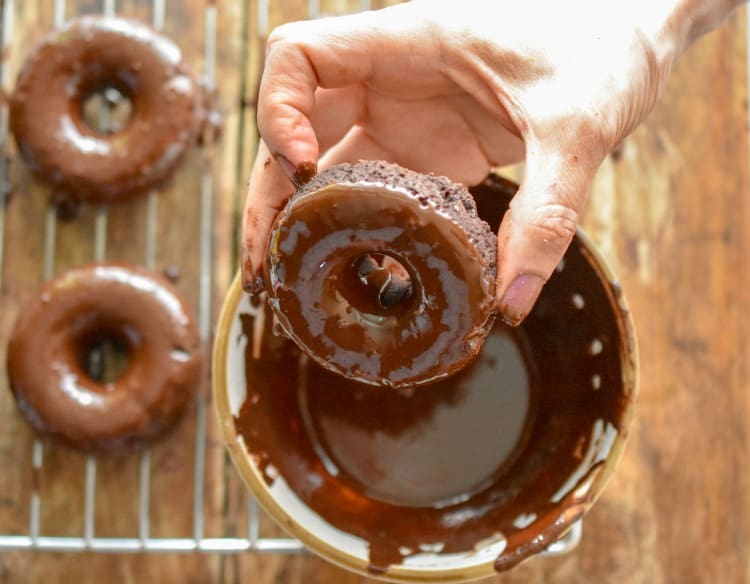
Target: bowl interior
(454,479)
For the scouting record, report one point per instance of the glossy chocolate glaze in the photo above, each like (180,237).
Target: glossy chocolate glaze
(89,54)
(501,450)
(339,318)
(114,303)
(401,446)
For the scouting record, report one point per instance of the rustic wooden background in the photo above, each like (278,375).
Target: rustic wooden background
(672,214)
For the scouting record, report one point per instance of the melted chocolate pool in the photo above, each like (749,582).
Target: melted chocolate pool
(511,448)
(408,447)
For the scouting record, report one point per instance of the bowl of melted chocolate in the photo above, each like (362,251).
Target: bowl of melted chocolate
(450,481)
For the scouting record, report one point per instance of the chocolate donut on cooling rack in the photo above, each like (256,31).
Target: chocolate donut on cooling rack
(60,388)
(382,274)
(91,54)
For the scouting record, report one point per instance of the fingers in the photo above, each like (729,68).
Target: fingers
(391,48)
(539,226)
(270,189)
(267,193)
(336,111)
(328,53)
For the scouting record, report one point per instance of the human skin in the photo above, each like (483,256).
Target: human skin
(456,88)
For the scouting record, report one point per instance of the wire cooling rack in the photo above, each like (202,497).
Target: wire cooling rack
(142,540)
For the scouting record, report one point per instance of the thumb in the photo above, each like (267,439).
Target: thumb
(539,226)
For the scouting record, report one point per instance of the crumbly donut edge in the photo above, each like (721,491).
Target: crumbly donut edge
(445,196)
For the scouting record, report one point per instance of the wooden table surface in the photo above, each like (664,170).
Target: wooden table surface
(671,212)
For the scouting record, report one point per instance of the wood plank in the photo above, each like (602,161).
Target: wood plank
(23,259)
(178,245)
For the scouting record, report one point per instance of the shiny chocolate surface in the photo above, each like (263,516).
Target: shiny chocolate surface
(415,321)
(65,393)
(513,448)
(88,55)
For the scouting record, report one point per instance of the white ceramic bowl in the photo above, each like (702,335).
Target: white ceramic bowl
(352,552)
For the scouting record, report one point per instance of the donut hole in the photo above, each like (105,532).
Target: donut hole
(105,357)
(107,109)
(378,284)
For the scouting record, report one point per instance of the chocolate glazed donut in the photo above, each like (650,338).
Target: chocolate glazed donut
(383,275)
(86,56)
(83,307)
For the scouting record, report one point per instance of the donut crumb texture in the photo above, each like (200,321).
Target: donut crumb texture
(446,196)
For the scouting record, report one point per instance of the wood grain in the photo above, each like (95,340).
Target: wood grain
(671,213)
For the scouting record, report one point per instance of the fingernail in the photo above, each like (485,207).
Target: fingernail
(251,282)
(299,175)
(520,297)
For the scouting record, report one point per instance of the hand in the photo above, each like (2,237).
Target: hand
(456,88)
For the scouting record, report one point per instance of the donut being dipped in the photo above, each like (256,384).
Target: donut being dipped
(89,55)
(63,393)
(383,275)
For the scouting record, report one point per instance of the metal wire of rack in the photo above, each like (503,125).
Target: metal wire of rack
(196,542)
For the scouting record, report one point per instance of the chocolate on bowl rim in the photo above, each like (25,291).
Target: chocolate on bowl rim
(626,356)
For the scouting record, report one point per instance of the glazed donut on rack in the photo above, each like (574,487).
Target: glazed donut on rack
(56,350)
(382,274)
(88,56)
